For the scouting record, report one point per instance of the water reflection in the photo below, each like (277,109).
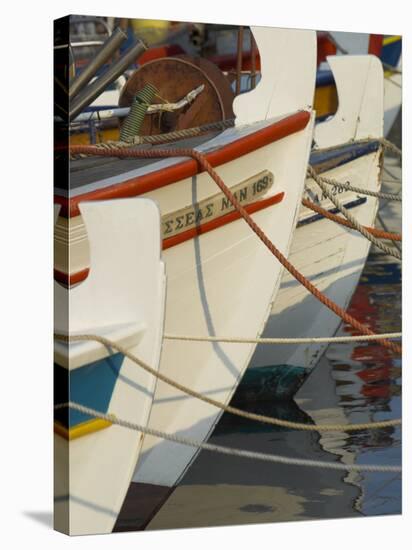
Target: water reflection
(352,383)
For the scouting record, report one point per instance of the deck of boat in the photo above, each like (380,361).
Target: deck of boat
(91,169)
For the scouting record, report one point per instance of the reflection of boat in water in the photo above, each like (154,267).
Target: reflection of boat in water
(221,490)
(323,409)
(226,490)
(361,383)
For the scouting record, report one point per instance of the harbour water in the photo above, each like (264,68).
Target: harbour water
(356,382)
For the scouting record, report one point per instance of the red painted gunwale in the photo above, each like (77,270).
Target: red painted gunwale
(188,168)
(79,276)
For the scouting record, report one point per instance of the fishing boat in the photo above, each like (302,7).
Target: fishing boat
(389,51)
(330,255)
(232,49)
(221,278)
(94,458)
(103,120)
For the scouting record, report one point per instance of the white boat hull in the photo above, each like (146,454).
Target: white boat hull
(94,459)
(332,257)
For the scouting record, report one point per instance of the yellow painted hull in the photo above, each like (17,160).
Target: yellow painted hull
(83,138)
(326,100)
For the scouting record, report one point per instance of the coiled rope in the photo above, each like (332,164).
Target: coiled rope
(205,165)
(356,225)
(372,230)
(266,457)
(227,408)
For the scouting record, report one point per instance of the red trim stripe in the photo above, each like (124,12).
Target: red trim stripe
(188,168)
(218,222)
(74,278)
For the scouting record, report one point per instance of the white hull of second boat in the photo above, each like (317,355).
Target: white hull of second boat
(357,43)
(331,256)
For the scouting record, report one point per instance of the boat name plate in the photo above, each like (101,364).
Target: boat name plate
(246,192)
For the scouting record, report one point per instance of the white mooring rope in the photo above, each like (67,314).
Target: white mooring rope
(266,457)
(387,249)
(222,406)
(331,339)
(361,191)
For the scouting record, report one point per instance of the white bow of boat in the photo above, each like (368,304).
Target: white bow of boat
(122,299)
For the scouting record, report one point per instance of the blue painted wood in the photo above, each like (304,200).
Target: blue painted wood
(391,53)
(324,77)
(348,206)
(342,155)
(91,386)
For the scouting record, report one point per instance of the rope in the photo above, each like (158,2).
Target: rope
(390,146)
(372,230)
(396,178)
(386,144)
(266,457)
(188,132)
(203,162)
(198,130)
(361,190)
(332,339)
(383,224)
(227,408)
(356,225)
(162,138)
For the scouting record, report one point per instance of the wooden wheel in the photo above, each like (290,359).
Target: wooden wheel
(174,77)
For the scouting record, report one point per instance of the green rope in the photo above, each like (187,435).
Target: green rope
(134,120)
